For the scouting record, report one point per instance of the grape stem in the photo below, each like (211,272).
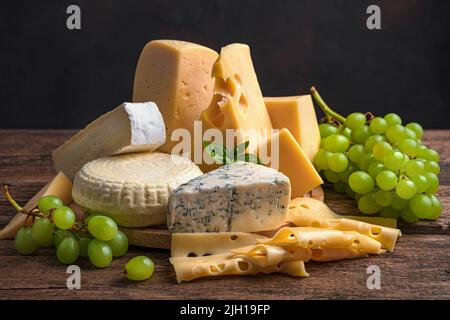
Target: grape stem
(329,113)
(18,208)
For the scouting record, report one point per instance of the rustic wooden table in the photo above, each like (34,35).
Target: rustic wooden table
(419,267)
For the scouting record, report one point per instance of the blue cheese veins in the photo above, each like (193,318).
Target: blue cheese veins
(242,197)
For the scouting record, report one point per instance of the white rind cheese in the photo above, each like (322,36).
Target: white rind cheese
(134,188)
(241,197)
(131,127)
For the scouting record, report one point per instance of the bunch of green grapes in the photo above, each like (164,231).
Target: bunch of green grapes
(380,163)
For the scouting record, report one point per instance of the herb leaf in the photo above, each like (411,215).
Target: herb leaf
(223,156)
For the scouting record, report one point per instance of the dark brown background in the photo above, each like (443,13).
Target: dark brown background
(51,77)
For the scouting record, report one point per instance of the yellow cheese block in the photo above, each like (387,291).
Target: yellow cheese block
(296,114)
(176,75)
(60,186)
(292,161)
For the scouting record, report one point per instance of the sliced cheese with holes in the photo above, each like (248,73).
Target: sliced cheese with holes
(307,212)
(59,186)
(133,188)
(329,254)
(266,255)
(131,127)
(319,238)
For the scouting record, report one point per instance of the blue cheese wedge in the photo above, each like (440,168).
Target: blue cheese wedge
(240,197)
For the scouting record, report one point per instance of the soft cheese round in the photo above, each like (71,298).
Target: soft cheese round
(132,188)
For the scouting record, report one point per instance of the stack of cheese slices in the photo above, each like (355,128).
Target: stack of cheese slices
(240,218)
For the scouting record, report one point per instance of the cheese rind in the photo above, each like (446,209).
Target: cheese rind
(133,188)
(241,197)
(131,127)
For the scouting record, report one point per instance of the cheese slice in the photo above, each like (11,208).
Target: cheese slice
(266,255)
(329,254)
(296,114)
(60,186)
(132,188)
(131,127)
(291,160)
(177,76)
(308,212)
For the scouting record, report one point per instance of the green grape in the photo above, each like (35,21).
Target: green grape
(421,183)
(64,218)
(332,176)
(327,129)
(416,128)
(338,162)
(322,144)
(356,152)
(24,242)
(433,182)
(378,125)
(119,244)
(408,215)
(432,166)
(361,182)
(42,231)
(394,160)
(395,133)
(139,268)
(398,203)
(409,134)
(421,206)
(321,159)
(406,189)
(349,192)
(355,120)
(347,132)
(47,203)
(365,161)
(347,172)
(408,147)
(414,167)
(360,134)
(367,204)
(60,235)
(339,187)
(372,140)
(436,209)
(386,180)
(389,212)
(383,198)
(380,150)
(84,243)
(102,227)
(428,154)
(392,119)
(99,253)
(68,250)
(337,143)
(375,168)
(49,243)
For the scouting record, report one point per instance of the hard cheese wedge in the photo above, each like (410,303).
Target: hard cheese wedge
(177,76)
(292,161)
(60,186)
(131,127)
(296,114)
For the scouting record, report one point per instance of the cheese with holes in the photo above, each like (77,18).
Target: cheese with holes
(241,197)
(131,127)
(237,102)
(291,160)
(133,188)
(264,255)
(329,254)
(296,114)
(177,76)
(60,186)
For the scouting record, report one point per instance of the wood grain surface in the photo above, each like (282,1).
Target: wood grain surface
(419,267)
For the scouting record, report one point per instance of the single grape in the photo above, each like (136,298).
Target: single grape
(395,133)
(365,161)
(414,167)
(389,212)
(421,183)
(321,159)
(42,231)
(367,204)
(327,129)
(372,140)
(428,154)
(361,182)
(68,250)
(47,203)
(409,134)
(433,182)
(356,152)
(432,166)
(398,203)
(64,218)
(84,243)
(375,168)
(392,119)
(394,160)
(99,253)
(332,176)
(436,209)
(355,120)
(378,125)
(139,268)
(60,235)
(338,162)
(102,227)
(416,128)
(349,192)
(49,243)
(337,143)
(344,175)
(406,189)
(24,242)
(347,132)
(360,134)
(408,215)
(421,206)
(408,147)
(386,180)
(119,244)
(383,198)
(380,150)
